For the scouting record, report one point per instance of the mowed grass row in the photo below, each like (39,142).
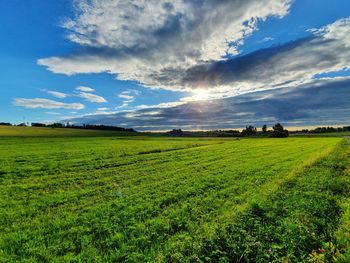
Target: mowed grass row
(32,157)
(114,199)
(306,220)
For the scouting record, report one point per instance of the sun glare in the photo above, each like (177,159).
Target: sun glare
(201,94)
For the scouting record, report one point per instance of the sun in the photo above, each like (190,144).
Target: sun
(201,94)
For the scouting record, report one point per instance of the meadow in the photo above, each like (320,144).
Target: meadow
(20,131)
(92,196)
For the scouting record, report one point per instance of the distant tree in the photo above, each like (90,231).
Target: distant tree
(279,131)
(224,133)
(176,132)
(56,125)
(249,131)
(5,124)
(325,130)
(103,127)
(37,124)
(264,128)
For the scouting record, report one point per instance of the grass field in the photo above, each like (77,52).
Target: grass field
(14,131)
(103,198)
(327,134)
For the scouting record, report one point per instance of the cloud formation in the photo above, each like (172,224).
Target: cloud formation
(293,63)
(57,94)
(102,109)
(314,103)
(156,42)
(194,46)
(266,39)
(128,96)
(91,97)
(46,104)
(84,89)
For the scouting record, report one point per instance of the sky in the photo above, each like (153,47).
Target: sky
(159,65)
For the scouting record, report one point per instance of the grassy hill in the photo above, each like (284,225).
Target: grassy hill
(17,131)
(68,197)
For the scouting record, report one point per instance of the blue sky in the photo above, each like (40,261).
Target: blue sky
(172,64)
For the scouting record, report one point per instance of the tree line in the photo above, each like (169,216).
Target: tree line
(277,131)
(68,125)
(325,130)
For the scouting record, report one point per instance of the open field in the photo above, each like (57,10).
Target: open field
(15,131)
(327,134)
(152,199)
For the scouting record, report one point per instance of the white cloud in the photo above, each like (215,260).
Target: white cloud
(126,96)
(181,45)
(57,94)
(160,105)
(46,104)
(153,41)
(52,113)
(91,97)
(291,64)
(102,109)
(84,89)
(266,39)
(339,30)
(123,105)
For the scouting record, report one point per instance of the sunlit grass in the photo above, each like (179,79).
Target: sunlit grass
(115,199)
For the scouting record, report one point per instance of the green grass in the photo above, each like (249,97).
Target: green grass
(154,199)
(326,134)
(16,131)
